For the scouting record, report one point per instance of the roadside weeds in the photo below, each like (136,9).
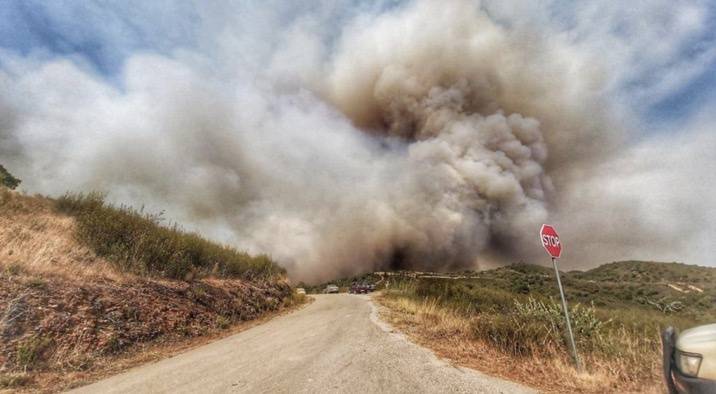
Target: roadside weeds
(451,337)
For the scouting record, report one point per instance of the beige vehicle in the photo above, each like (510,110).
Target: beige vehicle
(690,360)
(330,289)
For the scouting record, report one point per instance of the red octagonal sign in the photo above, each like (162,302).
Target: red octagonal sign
(550,240)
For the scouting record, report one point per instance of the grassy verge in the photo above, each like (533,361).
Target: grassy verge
(136,242)
(491,325)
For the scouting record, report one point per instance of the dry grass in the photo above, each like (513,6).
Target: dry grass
(69,313)
(34,239)
(452,334)
(141,243)
(54,381)
(54,331)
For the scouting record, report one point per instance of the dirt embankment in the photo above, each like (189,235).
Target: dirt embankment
(56,324)
(66,314)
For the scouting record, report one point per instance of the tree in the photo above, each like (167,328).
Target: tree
(7,180)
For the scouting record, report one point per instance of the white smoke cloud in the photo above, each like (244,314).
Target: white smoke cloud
(649,50)
(425,136)
(654,201)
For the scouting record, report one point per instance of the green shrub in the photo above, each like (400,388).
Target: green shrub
(7,180)
(223,322)
(30,352)
(137,242)
(464,296)
(535,326)
(516,336)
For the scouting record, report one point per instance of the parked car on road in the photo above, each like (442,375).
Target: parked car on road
(331,289)
(357,289)
(300,290)
(361,288)
(690,360)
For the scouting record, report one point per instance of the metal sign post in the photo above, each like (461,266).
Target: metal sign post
(566,316)
(550,242)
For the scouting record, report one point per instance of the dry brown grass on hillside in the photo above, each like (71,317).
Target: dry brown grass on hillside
(56,332)
(68,315)
(35,239)
(145,244)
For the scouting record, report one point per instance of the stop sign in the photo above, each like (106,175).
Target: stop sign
(550,240)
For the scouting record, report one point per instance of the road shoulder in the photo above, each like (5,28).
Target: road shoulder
(382,317)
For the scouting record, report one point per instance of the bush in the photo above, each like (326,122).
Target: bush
(538,327)
(223,322)
(7,180)
(30,352)
(137,242)
(465,296)
(516,336)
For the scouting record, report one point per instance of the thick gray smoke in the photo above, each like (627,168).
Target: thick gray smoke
(425,137)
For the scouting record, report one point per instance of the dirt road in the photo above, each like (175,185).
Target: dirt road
(336,344)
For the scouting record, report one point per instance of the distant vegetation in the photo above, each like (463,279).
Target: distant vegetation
(137,242)
(617,309)
(7,180)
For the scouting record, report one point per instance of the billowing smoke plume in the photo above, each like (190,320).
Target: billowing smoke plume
(427,137)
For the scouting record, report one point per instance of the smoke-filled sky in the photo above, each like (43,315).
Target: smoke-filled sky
(342,137)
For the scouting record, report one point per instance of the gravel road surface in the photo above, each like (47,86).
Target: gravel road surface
(336,344)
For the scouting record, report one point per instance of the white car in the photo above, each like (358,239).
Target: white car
(300,290)
(331,289)
(690,360)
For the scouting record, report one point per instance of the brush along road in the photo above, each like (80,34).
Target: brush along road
(335,344)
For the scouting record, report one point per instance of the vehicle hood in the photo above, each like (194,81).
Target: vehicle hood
(701,340)
(698,339)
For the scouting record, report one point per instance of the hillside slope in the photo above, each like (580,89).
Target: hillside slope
(66,312)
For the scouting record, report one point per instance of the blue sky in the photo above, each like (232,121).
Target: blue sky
(100,32)
(662,87)
(687,99)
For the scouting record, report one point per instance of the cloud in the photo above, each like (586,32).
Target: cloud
(342,139)
(650,202)
(649,50)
